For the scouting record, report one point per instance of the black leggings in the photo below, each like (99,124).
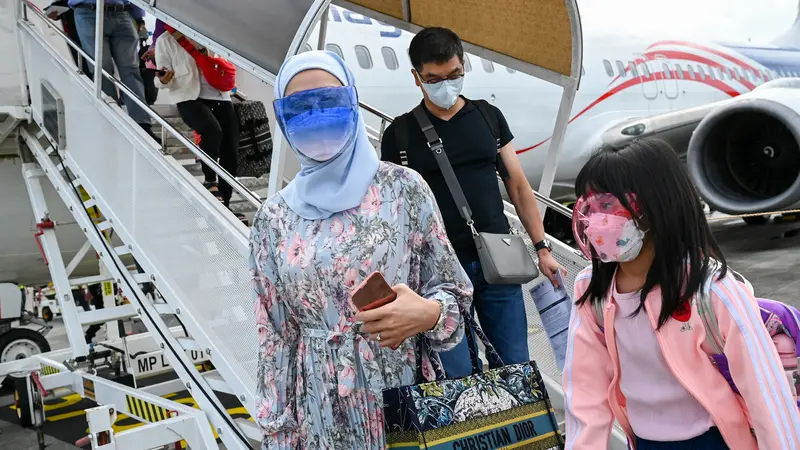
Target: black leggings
(218,126)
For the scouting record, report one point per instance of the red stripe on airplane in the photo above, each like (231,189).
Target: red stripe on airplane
(704,48)
(677,55)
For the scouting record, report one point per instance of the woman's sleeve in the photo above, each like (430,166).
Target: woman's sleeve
(441,275)
(277,337)
(588,372)
(755,366)
(163,59)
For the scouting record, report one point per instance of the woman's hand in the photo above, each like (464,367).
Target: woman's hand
(167,77)
(407,316)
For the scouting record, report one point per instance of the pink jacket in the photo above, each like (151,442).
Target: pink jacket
(593,397)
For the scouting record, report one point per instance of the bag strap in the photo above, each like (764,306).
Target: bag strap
(401,138)
(471,326)
(437,147)
(494,125)
(706,311)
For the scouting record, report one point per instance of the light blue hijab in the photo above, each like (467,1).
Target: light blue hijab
(322,189)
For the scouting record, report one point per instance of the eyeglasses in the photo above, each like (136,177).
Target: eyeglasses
(435,80)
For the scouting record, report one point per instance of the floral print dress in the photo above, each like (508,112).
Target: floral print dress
(320,382)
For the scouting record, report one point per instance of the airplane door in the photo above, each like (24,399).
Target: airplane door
(669,77)
(647,77)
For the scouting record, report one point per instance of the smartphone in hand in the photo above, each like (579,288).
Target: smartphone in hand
(373,293)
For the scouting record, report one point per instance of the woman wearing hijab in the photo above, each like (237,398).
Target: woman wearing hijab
(345,216)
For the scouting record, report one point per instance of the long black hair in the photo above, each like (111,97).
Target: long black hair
(669,208)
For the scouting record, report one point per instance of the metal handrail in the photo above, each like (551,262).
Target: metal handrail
(246,193)
(558,207)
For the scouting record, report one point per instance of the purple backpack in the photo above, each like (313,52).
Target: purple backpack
(778,317)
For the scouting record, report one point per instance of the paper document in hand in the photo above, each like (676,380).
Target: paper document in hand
(554,306)
(59,10)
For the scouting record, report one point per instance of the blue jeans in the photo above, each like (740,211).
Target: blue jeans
(501,311)
(710,440)
(120,41)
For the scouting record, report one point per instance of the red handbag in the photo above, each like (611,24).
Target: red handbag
(219,73)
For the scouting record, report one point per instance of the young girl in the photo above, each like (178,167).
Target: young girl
(637,349)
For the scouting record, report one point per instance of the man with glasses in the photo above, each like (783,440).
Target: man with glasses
(477,141)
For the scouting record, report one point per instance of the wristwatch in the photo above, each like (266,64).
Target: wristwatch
(542,245)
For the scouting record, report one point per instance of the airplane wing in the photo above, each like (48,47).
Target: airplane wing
(675,127)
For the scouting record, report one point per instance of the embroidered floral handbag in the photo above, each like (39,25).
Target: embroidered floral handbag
(507,407)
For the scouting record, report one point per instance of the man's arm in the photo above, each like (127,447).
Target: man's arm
(521,195)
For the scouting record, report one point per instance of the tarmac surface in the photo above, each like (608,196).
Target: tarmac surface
(767,255)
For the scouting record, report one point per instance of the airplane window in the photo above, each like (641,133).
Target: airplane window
(363,57)
(667,71)
(389,58)
(738,73)
(335,49)
(305,48)
(621,68)
(749,75)
(690,70)
(679,71)
(609,69)
(488,66)
(467,64)
(634,71)
(646,70)
(701,74)
(711,73)
(511,71)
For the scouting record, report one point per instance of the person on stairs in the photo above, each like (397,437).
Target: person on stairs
(202,107)
(120,47)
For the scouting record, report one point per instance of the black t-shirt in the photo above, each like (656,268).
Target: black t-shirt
(472,151)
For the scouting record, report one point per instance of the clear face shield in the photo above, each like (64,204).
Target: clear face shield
(604,229)
(319,123)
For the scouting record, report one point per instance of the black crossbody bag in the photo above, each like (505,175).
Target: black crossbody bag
(504,257)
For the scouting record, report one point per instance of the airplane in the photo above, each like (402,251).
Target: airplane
(629,88)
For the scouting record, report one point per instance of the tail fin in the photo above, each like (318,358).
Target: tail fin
(790,37)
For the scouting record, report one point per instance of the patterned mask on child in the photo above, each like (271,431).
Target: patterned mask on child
(602,224)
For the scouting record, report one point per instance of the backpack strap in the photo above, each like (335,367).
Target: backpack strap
(599,317)
(494,125)
(705,309)
(490,118)
(401,137)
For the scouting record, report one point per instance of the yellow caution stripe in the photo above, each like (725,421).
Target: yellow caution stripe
(145,410)
(49,370)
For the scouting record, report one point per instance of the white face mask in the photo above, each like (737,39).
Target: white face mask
(444,94)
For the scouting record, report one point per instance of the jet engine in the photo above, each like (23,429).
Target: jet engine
(744,157)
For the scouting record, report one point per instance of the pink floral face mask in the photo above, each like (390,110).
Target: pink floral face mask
(602,224)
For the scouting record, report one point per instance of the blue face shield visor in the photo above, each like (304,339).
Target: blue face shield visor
(319,123)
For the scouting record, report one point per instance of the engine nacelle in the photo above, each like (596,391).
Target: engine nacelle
(744,157)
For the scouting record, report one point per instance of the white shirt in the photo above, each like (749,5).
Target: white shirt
(188,82)
(209,92)
(659,407)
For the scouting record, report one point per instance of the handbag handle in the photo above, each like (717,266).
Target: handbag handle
(470,326)
(423,347)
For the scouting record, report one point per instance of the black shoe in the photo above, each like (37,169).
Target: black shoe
(149,130)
